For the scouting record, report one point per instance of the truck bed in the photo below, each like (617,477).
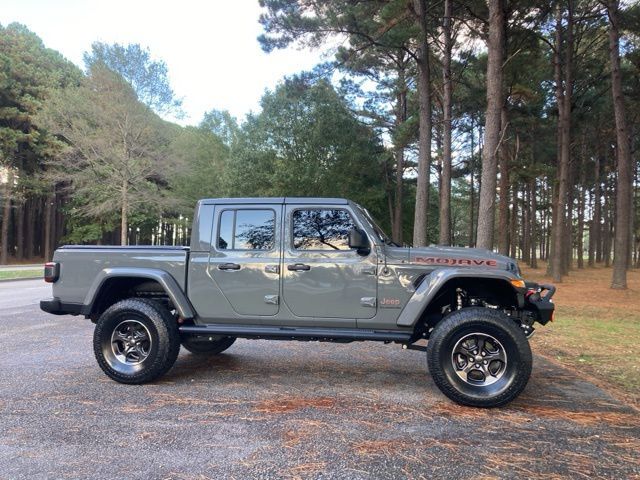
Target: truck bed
(81,264)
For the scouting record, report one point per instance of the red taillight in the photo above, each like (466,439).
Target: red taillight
(51,272)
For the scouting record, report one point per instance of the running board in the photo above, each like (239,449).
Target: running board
(296,333)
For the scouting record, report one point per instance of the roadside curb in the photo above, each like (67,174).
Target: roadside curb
(39,277)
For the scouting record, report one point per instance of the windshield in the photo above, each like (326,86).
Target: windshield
(384,238)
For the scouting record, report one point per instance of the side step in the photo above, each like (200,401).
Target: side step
(296,333)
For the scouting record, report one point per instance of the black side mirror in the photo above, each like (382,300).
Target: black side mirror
(359,240)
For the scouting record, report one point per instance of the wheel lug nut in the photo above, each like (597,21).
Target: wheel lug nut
(485,362)
(484,354)
(477,366)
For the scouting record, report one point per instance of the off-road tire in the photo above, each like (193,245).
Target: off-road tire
(207,347)
(464,323)
(151,318)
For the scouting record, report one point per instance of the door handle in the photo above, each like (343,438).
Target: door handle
(298,267)
(228,266)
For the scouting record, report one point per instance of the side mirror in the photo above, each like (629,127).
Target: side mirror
(359,240)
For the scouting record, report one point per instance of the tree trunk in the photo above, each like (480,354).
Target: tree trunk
(400,119)
(533,221)
(496,46)
(548,220)
(48,226)
(6,218)
(636,207)
(563,97)
(424,142)
(19,230)
(124,209)
(623,186)
(513,225)
(567,252)
(606,236)
(503,203)
(597,211)
(526,223)
(445,191)
(29,240)
(59,219)
(582,202)
(397,207)
(472,189)
(591,248)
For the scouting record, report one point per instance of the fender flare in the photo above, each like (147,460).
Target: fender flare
(166,281)
(432,284)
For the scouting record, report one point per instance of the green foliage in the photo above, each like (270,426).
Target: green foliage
(305,142)
(149,78)
(222,124)
(200,160)
(116,158)
(28,74)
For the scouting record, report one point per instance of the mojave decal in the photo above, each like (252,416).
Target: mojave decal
(466,262)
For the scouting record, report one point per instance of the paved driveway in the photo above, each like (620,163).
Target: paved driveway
(284,409)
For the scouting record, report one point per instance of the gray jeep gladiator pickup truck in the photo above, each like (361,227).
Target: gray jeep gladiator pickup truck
(315,269)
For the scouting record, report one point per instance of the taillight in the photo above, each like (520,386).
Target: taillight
(51,272)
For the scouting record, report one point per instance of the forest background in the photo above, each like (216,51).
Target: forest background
(512,126)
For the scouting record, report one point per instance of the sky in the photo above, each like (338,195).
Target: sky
(210,47)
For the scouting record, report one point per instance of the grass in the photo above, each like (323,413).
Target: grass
(15,274)
(596,330)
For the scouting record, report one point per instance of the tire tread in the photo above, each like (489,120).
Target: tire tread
(168,339)
(460,319)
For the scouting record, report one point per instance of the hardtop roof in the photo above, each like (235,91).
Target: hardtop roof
(274,200)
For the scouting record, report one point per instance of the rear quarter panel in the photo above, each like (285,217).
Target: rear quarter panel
(79,266)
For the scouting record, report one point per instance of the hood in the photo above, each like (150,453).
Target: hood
(451,257)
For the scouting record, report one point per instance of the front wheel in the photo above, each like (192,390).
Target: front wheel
(136,341)
(479,357)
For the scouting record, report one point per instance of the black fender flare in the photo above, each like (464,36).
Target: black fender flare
(166,281)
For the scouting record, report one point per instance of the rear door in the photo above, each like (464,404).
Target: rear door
(322,276)
(245,257)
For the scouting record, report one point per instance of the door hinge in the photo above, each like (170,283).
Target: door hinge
(368,302)
(271,299)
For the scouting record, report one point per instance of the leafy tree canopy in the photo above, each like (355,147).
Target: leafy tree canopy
(149,78)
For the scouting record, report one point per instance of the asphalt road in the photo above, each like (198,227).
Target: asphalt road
(284,410)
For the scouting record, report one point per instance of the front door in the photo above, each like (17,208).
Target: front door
(245,257)
(322,276)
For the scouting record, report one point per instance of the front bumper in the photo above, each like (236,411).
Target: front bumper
(56,307)
(541,304)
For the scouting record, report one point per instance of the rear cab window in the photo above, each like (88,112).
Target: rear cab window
(246,229)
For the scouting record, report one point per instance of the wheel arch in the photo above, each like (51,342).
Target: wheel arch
(114,284)
(439,289)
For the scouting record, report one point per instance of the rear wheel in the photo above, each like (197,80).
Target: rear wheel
(479,357)
(136,341)
(207,345)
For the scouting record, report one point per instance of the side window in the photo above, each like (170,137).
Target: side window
(225,230)
(246,230)
(321,229)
